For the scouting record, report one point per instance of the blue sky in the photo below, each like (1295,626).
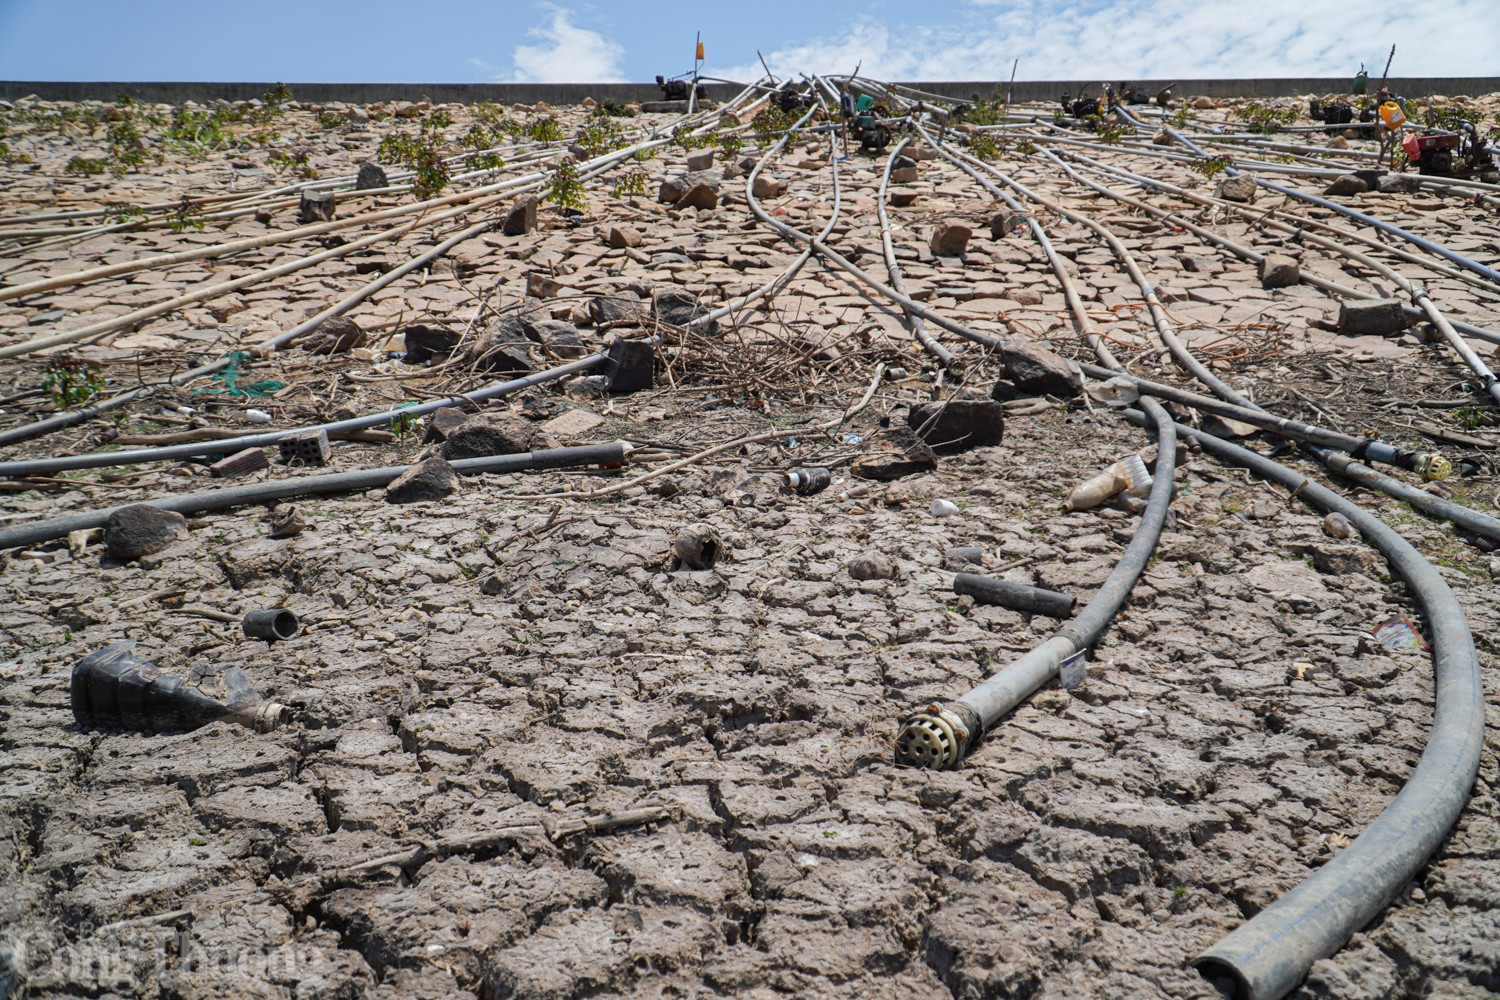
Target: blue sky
(471,41)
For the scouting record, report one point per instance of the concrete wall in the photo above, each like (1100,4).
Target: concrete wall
(572,93)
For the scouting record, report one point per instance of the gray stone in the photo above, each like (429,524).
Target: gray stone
(700,159)
(699,196)
(502,349)
(442,422)
(426,343)
(335,335)
(677,307)
(673,188)
(1033,368)
(871,566)
(521,219)
(430,479)
(1240,189)
(1371,317)
(950,239)
(1279,271)
(896,453)
(371,175)
(491,434)
(767,186)
(1398,184)
(1347,184)
(1003,224)
(958,424)
(141,530)
(316,206)
(617,309)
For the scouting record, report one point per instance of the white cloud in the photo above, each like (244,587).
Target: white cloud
(1155,39)
(565,53)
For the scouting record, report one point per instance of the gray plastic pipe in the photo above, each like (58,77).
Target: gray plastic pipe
(1267,957)
(613,453)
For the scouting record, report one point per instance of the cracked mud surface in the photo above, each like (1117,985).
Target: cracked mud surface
(483,664)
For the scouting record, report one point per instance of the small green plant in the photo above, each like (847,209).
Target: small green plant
(770,123)
(613,108)
(1179,891)
(1213,165)
(1180,117)
(1110,132)
(187,215)
(197,841)
(329,119)
(404,424)
(542,128)
(631,184)
(983,146)
(121,213)
(73,383)
(87,166)
(8,155)
(684,136)
(566,189)
(281,161)
(1266,119)
(600,135)
(422,154)
(1026,147)
(984,113)
(196,132)
(487,112)
(1468,417)
(730,146)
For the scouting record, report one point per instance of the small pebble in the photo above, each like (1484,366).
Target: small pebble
(1336,525)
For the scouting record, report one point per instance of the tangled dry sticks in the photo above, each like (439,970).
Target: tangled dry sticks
(532,751)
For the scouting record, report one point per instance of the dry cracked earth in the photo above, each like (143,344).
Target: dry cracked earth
(665,782)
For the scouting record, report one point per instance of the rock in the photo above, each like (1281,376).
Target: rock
(950,239)
(1240,189)
(958,424)
(1371,317)
(700,159)
(502,349)
(425,343)
(902,197)
(1398,184)
(491,434)
(240,463)
(1279,271)
(631,366)
(1338,142)
(560,338)
(673,188)
(896,453)
(1162,138)
(1347,184)
(1003,224)
(540,286)
(371,175)
(1204,103)
(767,186)
(429,479)
(316,206)
(141,530)
(904,175)
(1494,568)
(1027,296)
(699,196)
(621,237)
(616,309)
(335,335)
(442,422)
(521,219)
(677,307)
(1339,560)
(871,566)
(1032,368)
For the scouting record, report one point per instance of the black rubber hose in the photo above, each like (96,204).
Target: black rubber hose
(1267,957)
(1019,596)
(298,486)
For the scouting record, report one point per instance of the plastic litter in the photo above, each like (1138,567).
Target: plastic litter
(944,508)
(1129,473)
(113,689)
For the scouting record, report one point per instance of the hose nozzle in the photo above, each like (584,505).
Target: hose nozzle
(936,737)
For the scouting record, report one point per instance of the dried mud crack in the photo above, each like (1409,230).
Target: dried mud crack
(532,752)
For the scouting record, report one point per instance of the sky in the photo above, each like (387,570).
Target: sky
(570,41)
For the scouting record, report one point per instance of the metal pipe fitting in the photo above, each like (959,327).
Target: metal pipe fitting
(270,624)
(937,737)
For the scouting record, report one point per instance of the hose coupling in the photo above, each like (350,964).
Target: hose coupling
(937,737)
(1432,466)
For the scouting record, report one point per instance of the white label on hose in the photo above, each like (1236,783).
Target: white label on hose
(1072,671)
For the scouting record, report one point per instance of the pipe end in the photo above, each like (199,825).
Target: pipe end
(1223,977)
(1431,467)
(270,715)
(933,738)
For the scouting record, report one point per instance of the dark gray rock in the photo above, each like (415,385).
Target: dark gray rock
(430,479)
(425,343)
(1371,317)
(1035,369)
(521,219)
(1345,185)
(491,434)
(371,175)
(677,307)
(673,188)
(700,159)
(141,530)
(699,196)
(502,349)
(617,309)
(958,424)
(895,453)
(316,206)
